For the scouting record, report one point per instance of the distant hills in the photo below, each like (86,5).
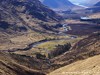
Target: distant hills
(97,4)
(60,4)
(87,3)
(95,8)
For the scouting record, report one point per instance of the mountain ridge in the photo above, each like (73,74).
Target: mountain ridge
(60,5)
(97,4)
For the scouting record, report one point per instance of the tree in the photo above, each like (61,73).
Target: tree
(60,49)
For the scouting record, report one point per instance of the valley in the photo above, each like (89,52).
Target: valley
(37,38)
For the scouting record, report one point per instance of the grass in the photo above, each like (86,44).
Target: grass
(47,46)
(90,66)
(51,45)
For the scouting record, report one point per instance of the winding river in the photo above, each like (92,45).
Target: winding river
(34,44)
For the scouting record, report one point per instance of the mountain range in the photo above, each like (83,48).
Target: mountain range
(95,8)
(60,4)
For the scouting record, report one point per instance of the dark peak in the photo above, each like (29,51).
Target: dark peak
(30,7)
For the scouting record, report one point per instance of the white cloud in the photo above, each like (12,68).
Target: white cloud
(85,2)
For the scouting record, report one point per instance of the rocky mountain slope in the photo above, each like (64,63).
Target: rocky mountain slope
(33,8)
(21,14)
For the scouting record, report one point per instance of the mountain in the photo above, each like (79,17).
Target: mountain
(18,14)
(97,4)
(24,17)
(56,3)
(95,8)
(60,4)
(30,7)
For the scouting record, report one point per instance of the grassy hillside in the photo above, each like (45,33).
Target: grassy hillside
(23,22)
(90,66)
(16,65)
(85,48)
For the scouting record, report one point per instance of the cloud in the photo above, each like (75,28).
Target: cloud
(85,2)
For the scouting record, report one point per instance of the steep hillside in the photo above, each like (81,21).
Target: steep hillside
(90,66)
(27,19)
(17,65)
(34,8)
(21,15)
(85,48)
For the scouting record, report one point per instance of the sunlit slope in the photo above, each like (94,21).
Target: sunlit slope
(90,66)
